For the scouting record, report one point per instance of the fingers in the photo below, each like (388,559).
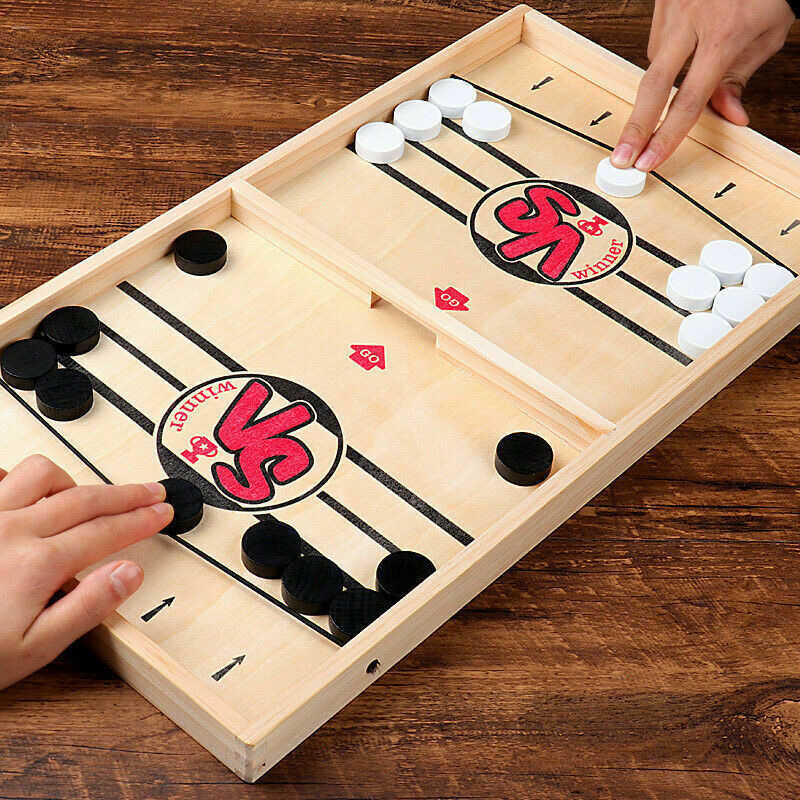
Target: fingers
(92,541)
(652,96)
(703,77)
(81,504)
(31,480)
(3,473)
(75,614)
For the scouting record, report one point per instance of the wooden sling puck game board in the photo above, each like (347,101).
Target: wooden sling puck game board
(337,367)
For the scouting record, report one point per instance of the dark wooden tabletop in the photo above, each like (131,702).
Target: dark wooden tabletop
(650,648)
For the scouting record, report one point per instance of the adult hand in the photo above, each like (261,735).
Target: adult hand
(730,40)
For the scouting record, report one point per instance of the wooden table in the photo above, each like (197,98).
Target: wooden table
(649,648)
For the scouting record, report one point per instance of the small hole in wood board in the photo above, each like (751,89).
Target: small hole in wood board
(373,667)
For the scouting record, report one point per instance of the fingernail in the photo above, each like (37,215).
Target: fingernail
(157,490)
(125,579)
(622,156)
(163,509)
(646,161)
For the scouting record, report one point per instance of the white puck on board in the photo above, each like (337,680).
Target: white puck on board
(736,303)
(380,142)
(419,120)
(727,260)
(452,96)
(619,182)
(767,279)
(486,121)
(692,288)
(698,332)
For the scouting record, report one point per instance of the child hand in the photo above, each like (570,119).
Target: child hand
(50,530)
(730,40)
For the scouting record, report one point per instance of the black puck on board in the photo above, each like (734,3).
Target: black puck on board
(72,330)
(268,547)
(24,362)
(400,572)
(200,252)
(187,501)
(310,583)
(64,394)
(524,459)
(353,610)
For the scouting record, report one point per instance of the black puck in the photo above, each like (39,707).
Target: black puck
(310,583)
(187,500)
(354,610)
(27,360)
(200,252)
(64,394)
(523,458)
(72,330)
(268,547)
(400,572)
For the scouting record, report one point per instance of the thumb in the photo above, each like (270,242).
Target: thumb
(82,609)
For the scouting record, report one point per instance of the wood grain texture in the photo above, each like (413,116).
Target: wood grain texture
(648,649)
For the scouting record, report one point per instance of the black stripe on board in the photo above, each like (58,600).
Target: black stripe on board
(449,165)
(253,588)
(658,252)
(408,496)
(122,342)
(74,450)
(147,425)
(643,287)
(656,175)
(181,327)
(359,523)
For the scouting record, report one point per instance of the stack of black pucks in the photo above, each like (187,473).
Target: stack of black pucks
(524,459)
(355,609)
(200,252)
(269,546)
(24,362)
(400,572)
(187,501)
(310,584)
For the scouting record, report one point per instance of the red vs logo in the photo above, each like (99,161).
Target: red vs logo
(270,444)
(551,232)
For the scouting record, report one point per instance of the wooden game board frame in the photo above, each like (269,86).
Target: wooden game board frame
(606,449)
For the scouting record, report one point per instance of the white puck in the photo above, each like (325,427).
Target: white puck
(419,120)
(736,303)
(727,260)
(698,332)
(486,121)
(692,288)
(380,142)
(619,182)
(452,96)
(767,279)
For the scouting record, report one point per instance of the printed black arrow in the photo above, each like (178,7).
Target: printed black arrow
(604,115)
(218,676)
(542,83)
(789,228)
(160,607)
(721,192)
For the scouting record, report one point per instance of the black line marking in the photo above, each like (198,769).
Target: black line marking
(643,287)
(74,450)
(491,150)
(609,148)
(253,588)
(632,326)
(147,425)
(658,252)
(359,523)
(449,165)
(142,357)
(171,320)
(408,496)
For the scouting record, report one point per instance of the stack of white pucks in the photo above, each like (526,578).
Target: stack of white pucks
(421,121)
(727,282)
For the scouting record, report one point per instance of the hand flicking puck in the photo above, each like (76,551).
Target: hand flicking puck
(400,572)
(268,547)
(27,360)
(200,252)
(523,458)
(64,394)
(354,610)
(310,583)
(72,330)
(187,501)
